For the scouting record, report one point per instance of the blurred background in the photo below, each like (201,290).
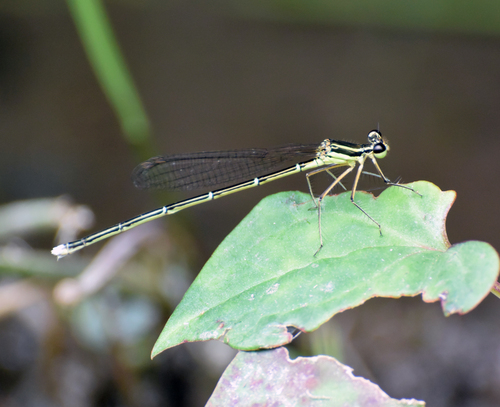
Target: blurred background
(76,116)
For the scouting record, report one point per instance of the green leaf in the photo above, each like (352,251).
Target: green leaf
(264,277)
(270,378)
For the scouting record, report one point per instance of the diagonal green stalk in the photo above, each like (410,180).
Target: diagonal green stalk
(109,65)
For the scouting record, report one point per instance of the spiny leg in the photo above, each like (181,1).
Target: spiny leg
(317,171)
(318,203)
(388,181)
(335,177)
(353,193)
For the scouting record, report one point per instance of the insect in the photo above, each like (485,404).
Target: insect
(243,169)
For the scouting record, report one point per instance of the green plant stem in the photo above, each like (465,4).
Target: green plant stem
(109,65)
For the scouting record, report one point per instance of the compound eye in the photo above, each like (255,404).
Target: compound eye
(379,148)
(374,136)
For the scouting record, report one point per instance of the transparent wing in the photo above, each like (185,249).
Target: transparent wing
(216,168)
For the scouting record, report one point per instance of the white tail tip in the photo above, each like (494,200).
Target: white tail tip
(60,251)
